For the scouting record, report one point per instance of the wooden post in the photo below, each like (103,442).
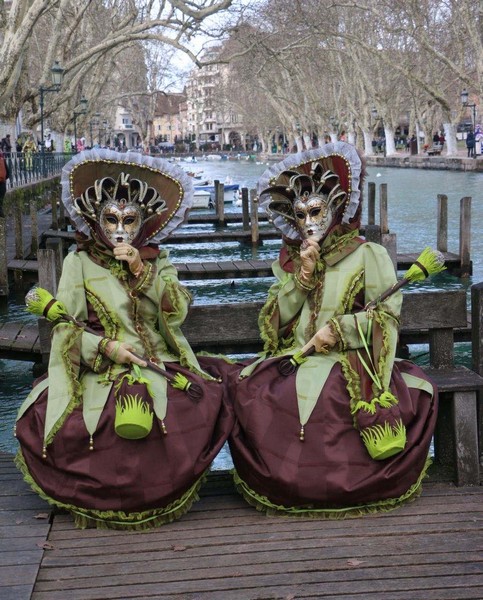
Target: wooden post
(17,218)
(465,235)
(383,208)
(442,233)
(48,280)
(477,327)
(254,216)
(3,258)
(373,234)
(34,225)
(62,220)
(245,209)
(389,241)
(47,270)
(441,348)
(55,221)
(220,202)
(57,246)
(371,203)
(477,348)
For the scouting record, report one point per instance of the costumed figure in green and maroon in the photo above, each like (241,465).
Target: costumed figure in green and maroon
(114,442)
(347,430)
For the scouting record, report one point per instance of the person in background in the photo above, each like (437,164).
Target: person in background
(470,144)
(6,145)
(4,175)
(478,140)
(28,149)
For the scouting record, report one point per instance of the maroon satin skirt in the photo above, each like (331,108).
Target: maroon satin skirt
(130,475)
(331,468)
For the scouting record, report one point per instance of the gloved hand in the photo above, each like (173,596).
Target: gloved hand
(124,251)
(309,254)
(323,340)
(122,353)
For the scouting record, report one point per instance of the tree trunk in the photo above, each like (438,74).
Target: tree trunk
(368,149)
(450,139)
(390,145)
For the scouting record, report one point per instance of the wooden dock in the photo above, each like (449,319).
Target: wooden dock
(22,265)
(23,269)
(20,341)
(224,549)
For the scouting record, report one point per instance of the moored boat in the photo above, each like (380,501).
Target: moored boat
(202,199)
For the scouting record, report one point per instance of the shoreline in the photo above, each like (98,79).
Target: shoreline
(402,160)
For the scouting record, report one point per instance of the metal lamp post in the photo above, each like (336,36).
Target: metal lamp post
(57,74)
(92,122)
(83,102)
(466,104)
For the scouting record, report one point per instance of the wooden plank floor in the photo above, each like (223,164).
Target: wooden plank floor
(24,527)
(225,550)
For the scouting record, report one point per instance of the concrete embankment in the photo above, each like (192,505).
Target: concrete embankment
(420,161)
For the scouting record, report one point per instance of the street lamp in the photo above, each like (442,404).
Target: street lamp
(464,102)
(94,121)
(57,74)
(83,102)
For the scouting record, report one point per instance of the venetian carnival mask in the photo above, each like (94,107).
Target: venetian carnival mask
(120,223)
(308,201)
(120,208)
(313,215)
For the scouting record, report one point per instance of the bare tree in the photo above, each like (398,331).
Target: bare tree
(80,33)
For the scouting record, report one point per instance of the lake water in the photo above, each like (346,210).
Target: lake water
(412,208)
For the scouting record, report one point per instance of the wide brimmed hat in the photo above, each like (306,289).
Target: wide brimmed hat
(83,175)
(337,166)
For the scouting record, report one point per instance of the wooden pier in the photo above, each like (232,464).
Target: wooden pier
(224,549)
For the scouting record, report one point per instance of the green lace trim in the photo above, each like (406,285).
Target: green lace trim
(268,332)
(353,384)
(335,242)
(383,364)
(349,296)
(75,387)
(184,354)
(109,321)
(136,521)
(146,279)
(262,503)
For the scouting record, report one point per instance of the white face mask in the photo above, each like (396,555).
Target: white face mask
(313,216)
(120,223)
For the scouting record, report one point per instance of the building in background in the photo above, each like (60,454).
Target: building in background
(169,122)
(212,122)
(125,134)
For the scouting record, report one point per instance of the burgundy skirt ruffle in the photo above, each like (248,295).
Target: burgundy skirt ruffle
(331,468)
(130,475)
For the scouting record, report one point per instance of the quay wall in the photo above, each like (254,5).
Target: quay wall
(405,161)
(39,191)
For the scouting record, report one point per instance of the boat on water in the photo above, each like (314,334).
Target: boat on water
(202,199)
(209,187)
